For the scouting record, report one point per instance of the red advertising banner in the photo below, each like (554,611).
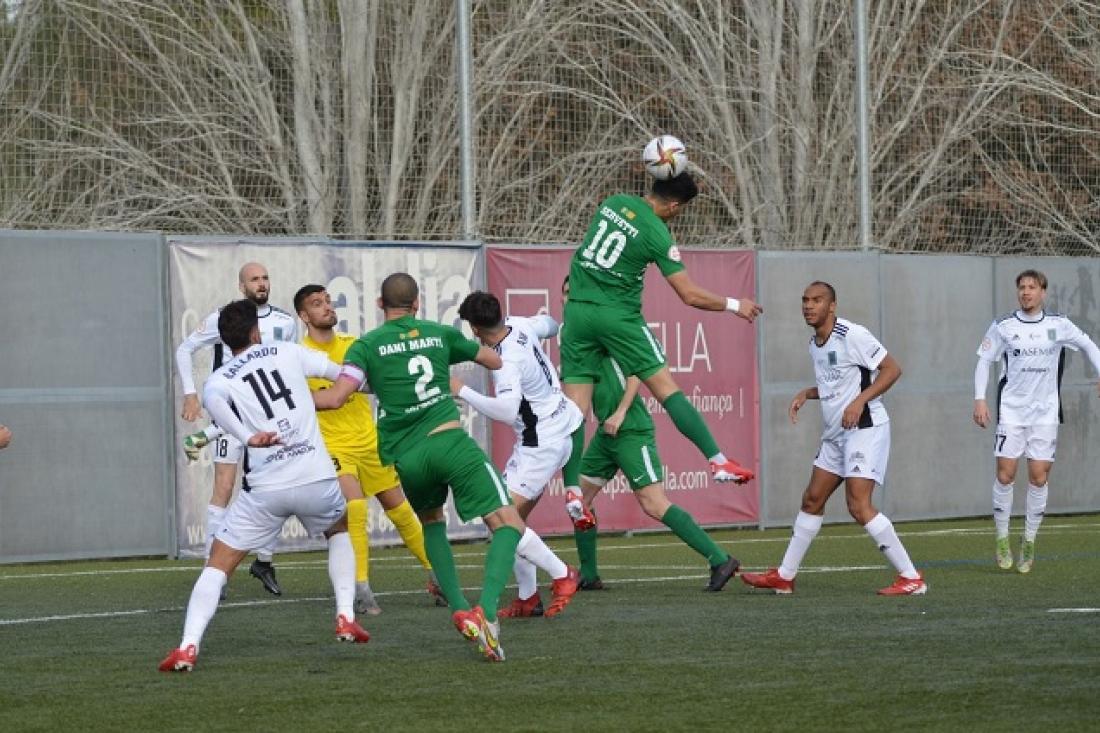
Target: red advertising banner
(712,357)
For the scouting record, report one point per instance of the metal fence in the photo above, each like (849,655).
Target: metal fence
(344,117)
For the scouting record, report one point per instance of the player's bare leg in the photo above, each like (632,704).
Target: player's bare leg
(692,426)
(581,394)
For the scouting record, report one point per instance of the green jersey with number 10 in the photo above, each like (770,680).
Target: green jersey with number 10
(407,364)
(623,238)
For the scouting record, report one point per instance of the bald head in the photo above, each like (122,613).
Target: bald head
(254,282)
(399,291)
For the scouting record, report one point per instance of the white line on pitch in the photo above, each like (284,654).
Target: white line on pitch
(739,541)
(1073,610)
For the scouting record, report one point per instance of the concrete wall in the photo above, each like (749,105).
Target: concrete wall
(83,370)
(930,312)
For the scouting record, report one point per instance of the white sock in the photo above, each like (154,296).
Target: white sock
(201,607)
(533,549)
(806,527)
(1036,507)
(718,457)
(525,577)
(212,432)
(214,516)
(341,571)
(882,532)
(1002,507)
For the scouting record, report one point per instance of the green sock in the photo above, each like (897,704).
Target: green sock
(442,559)
(690,424)
(684,527)
(586,551)
(571,471)
(498,568)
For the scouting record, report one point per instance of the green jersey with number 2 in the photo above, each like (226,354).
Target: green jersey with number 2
(623,238)
(407,362)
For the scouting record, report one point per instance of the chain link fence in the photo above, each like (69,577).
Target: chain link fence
(341,117)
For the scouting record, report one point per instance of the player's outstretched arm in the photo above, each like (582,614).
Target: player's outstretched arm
(488,358)
(334,396)
(699,297)
(810,393)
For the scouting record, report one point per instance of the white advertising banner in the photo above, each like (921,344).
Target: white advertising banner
(203,277)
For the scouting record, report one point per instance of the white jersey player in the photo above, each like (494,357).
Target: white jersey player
(529,397)
(261,397)
(852,371)
(1030,343)
(275,326)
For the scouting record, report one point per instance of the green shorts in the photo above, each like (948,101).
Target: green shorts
(592,333)
(452,459)
(633,453)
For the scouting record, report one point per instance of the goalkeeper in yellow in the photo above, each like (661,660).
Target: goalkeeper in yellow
(352,440)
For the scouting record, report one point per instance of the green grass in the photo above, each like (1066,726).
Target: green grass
(651,653)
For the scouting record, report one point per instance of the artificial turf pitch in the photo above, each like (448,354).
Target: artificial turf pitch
(984,650)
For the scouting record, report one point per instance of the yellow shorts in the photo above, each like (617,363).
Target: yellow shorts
(373,477)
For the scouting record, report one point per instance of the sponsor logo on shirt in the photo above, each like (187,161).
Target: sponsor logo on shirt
(674,253)
(832,358)
(1052,334)
(1036,351)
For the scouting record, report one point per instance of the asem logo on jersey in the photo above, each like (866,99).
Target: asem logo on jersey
(832,358)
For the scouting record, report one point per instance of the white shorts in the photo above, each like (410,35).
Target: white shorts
(530,468)
(256,517)
(227,449)
(857,454)
(1037,442)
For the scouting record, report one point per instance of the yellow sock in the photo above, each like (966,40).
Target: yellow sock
(407,523)
(357,531)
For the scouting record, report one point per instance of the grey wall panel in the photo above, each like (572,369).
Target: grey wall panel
(83,480)
(83,385)
(940,461)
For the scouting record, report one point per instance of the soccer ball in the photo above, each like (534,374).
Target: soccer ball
(665,157)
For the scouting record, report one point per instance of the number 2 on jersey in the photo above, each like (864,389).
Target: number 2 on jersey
(605,252)
(421,365)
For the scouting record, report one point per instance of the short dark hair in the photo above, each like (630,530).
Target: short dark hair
(235,323)
(481,309)
(1035,275)
(827,286)
(399,290)
(681,188)
(304,292)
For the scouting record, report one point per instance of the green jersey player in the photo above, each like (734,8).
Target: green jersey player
(406,363)
(603,317)
(626,441)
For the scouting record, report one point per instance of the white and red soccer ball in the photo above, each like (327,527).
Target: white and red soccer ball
(665,157)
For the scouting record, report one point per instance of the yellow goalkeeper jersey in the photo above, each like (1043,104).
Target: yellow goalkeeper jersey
(351,427)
